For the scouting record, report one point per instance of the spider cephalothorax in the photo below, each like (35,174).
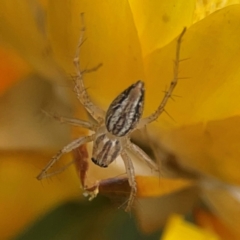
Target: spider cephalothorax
(112,130)
(105,149)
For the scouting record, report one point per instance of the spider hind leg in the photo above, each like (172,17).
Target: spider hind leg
(68,148)
(131,179)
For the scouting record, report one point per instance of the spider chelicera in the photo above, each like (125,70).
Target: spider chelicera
(113,128)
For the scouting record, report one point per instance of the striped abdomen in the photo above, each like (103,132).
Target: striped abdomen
(125,111)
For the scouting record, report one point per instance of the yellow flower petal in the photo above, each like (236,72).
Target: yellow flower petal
(204,8)
(211,91)
(153,186)
(112,41)
(178,229)
(158,22)
(211,148)
(22,197)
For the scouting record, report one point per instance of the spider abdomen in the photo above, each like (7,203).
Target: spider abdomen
(126,109)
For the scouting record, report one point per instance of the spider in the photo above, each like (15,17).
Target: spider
(113,127)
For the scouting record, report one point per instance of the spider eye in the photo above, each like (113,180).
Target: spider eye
(94,160)
(99,164)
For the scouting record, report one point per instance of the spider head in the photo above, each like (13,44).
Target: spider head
(105,150)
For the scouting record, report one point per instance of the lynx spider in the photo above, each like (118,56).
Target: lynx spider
(113,128)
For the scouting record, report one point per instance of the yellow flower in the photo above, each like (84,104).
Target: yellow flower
(133,40)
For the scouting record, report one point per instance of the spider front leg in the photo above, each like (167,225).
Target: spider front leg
(68,148)
(82,95)
(171,88)
(131,179)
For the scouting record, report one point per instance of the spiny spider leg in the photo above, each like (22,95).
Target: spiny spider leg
(71,121)
(131,179)
(142,155)
(68,148)
(168,93)
(93,69)
(82,95)
(59,170)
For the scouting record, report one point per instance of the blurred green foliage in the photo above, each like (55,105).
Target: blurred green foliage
(86,220)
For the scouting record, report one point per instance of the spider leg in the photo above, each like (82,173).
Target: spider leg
(172,86)
(93,69)
(71,121)
(131,179)
(82,95)
(59,170)
(142,155)
(68,148)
